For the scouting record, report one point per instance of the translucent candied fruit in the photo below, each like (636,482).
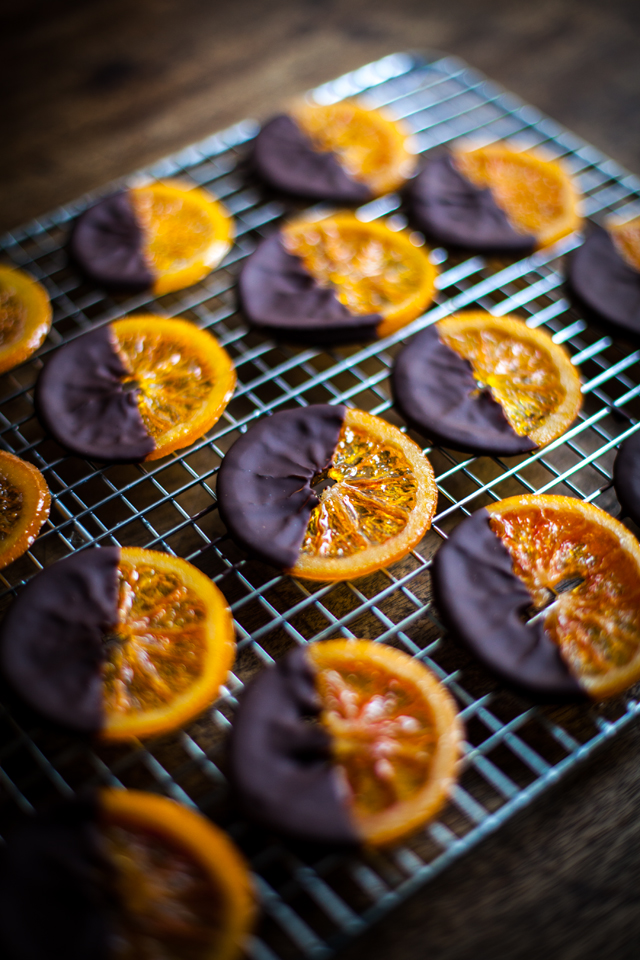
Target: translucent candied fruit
(157,648)
(372,495)
(176,230)
(13,316)
(11,501)
(382,731)
(591,579)
(521,376)
(626,237)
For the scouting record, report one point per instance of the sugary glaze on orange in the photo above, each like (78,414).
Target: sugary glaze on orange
(13,316)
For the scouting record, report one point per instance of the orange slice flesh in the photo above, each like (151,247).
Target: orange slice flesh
(24,506)
(370,148)
(536,194)
(182,889)
(379,506)
(186,233)
(373,268)
(583,568)
(626,237)
(25,316)
(170,650)
(530,376)
(395,735)
(184,377)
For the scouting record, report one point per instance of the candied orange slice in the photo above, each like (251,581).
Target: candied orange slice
(395,735)
(25,316)
(184,377)
(582,569)
(530,376)
(371,148)
(186,232)
(182,889)
(170,649)
(538,197)
(377,501)
(373,268)
(626,237)
(24,506)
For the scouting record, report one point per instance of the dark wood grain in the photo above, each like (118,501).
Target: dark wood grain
(92,90)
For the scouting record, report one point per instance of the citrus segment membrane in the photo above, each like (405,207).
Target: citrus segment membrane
(25,316)
(184,378)
(626,239)
(370,148)
(536,194)
(582,569)
(24,506)
(394,732)
(377,499)
(530,376)
(182,889)
(186,232)
(170,648)
(373,268)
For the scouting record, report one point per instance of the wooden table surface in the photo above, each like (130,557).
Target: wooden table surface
(96,88)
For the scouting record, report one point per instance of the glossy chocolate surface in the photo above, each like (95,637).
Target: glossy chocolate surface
(435,390)
(280,756)
(107,244)
(453,211)
(264,484)
(484,604)
(52,637)
(604,282)
(82,401)
(626,477)
(280,297)
(286,158)
(54,900)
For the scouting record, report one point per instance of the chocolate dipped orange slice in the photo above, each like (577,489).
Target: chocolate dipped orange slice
(336,280)
(124,642)
(326,492)
(136,389)
(341,152)
(485,384)
(546,591)
(345,741)
(160,237)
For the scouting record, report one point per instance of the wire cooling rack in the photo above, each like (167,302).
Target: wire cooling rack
(313,902)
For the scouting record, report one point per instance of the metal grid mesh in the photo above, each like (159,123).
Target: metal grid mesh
(312,903)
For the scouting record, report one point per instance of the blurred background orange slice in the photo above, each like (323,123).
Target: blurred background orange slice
(395,733)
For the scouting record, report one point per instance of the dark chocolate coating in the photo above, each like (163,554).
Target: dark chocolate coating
(81,400)
(453,211)
(107,244)
(482,601)
(54,900)
(264,492)
(626,477)
(52,637)
(280,297)
(280,756)
(434,387)
(604,282)
(286,158)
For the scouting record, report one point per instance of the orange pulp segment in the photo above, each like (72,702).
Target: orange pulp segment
(537,195)
(583,568)
(24,506)
(182,889)
(380,504)
(626,237)
(25,316)
(184,377)
(373,268)
(530,376)
(186,232)
(395,735)
(369,147)
(170,650)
